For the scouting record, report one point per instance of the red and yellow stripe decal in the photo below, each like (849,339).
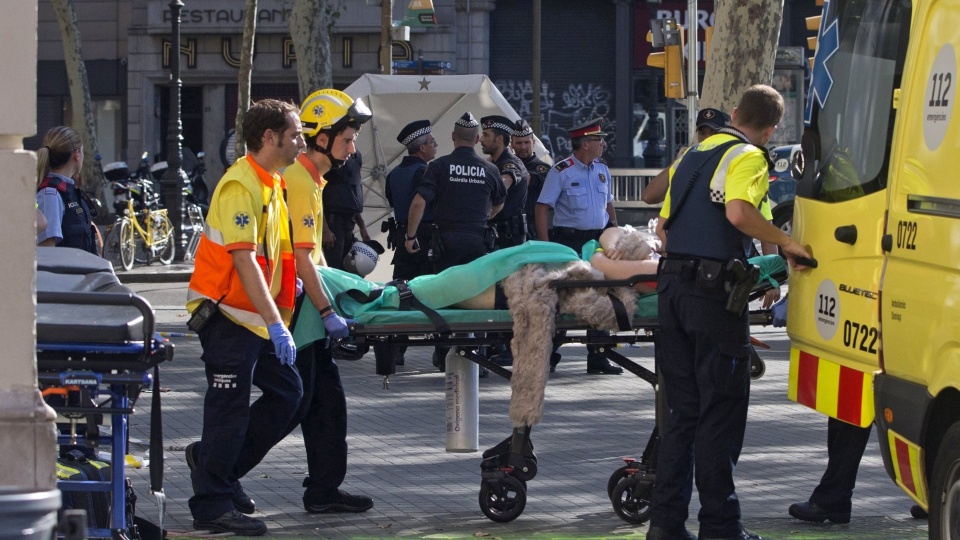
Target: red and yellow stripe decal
(908,465)
(835,390)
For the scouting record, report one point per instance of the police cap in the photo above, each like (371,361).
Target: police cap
(522,129)
(410,132)
(588,129)
(498,123)
(467,120)
(712,118)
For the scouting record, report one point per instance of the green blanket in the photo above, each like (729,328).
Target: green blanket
(438,291)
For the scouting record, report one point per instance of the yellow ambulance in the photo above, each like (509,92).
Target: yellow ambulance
(875,328)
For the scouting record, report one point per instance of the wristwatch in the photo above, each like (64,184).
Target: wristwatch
(409,238)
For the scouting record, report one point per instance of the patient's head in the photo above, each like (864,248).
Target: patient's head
(636,245)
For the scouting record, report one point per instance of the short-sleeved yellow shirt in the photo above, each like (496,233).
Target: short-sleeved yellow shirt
(305,202)
(743,173)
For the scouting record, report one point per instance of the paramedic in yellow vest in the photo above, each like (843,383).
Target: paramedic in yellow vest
(241,298)
(331,121)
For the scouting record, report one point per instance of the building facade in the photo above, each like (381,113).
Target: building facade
(593,63)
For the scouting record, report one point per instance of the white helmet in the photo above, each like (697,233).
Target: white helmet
(361,259)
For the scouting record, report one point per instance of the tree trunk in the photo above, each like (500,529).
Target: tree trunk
(245,75)
(80,104)
(310,25)
(742,51)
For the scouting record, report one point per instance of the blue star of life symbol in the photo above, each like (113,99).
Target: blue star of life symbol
(308,221)
(241,220)
(821,81)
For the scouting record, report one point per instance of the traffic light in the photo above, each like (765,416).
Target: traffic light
(667,33)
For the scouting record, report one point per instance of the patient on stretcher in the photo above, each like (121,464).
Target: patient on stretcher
(621,253)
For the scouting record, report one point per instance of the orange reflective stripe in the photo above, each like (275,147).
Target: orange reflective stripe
(833,389)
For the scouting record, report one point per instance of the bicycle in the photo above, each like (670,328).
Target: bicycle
(195,196)
(148,226)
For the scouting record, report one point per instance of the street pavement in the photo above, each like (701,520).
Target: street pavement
(397,456)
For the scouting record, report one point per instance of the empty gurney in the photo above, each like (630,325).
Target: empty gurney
(96,347)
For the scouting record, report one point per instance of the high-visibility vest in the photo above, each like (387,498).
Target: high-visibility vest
(214,275)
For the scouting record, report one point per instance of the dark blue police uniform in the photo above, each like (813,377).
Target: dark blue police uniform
(402,184)
(704,358)
(463,187)
(509,222)
(537,170)
(342,200)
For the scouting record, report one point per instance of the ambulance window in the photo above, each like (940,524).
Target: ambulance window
(855,123)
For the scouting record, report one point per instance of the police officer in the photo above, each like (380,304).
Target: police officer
(509,223)
(522,144)
(466,191)
(343,209)
(68,211)
(578,190)
(712,214)
(402,184)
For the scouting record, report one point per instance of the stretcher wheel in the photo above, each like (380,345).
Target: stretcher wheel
(349,351)
(615,478)
(502,500)
(528,472)
(757,366)
(631,498)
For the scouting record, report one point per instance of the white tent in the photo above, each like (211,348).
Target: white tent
(396,100)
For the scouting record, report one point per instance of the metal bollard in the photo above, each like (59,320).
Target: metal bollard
(462,403)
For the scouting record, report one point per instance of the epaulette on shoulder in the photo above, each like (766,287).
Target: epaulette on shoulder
(563,164)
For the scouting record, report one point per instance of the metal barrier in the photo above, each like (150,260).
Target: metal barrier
(628,184)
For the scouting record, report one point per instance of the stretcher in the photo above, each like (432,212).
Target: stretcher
(96,347)
(417,313)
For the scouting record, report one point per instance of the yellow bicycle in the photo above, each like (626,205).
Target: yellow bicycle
(147,226)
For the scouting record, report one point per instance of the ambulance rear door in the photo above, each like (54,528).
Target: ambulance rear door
(833,318)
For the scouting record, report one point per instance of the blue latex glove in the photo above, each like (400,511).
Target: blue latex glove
(283,343)
(780,313)
(299,287)
(337,326)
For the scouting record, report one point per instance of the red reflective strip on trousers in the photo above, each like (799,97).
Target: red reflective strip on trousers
(849,402)
(807,380)
(903,459)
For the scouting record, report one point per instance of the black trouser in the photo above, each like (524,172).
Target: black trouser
(341,225)
(706,376)
(236,435)
(410,265)
(845,446)
(457,247)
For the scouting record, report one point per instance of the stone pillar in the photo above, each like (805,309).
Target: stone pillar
(623,156)
(27,432)
(473,36)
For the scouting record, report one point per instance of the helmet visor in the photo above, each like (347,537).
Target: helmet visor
(358,113)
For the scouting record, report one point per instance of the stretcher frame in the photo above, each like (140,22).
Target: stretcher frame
(631,500)
(112,372)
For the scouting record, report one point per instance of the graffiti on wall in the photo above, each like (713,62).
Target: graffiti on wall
(562,109)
